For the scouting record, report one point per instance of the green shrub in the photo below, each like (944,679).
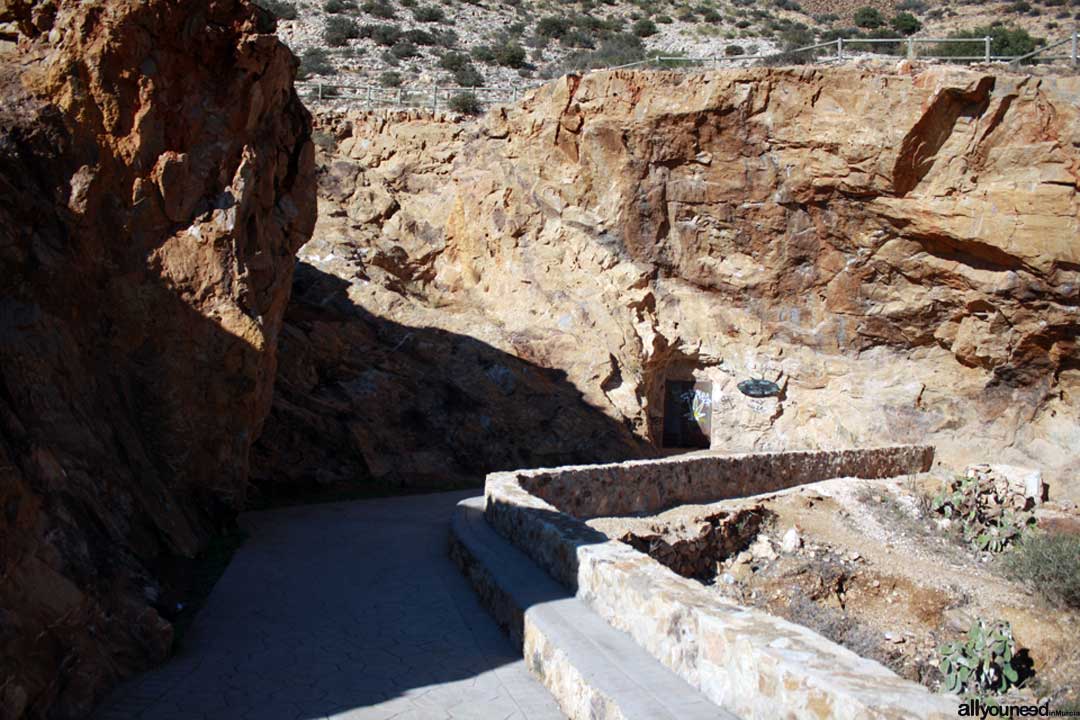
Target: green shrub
(339,31)
(853,38)
(278,8)
(906,24)
(869,18)
(615,49)
(645,28)
(553,27)
(403,50)
(711,16)
(384,35)
(468,76)
(429,14)
(664,19)
(390,79)
(733,50)
(315,61)
(380,9)
(419,37)
(796,37)
(1049,563)
(465,103)
(483,53)
(509,55)
(577,38)
(982,662)
(454,61)
(446,38)
(1004,41)
(335,6)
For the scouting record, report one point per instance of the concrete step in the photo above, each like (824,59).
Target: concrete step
(594,671)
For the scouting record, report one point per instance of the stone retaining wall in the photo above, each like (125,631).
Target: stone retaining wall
(652,486)
(752,663)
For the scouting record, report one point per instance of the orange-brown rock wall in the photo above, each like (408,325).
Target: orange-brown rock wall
(156,179)
(896,248)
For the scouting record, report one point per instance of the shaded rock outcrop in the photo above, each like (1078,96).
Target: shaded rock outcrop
(896,250)
(156,179)
(364,401)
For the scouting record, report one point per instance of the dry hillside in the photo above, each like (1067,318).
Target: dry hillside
(522,42)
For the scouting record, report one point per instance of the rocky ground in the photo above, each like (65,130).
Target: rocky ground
(869,565)
(556,37)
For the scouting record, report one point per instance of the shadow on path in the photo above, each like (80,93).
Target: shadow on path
(346,610)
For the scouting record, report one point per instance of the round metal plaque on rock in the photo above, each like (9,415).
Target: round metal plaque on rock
(758,388)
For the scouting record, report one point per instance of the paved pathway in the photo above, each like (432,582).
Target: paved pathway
(349,611)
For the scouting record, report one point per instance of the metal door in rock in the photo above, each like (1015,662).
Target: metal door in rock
(687,414)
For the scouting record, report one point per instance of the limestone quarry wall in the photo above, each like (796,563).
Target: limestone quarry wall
(156,179)
(897,250)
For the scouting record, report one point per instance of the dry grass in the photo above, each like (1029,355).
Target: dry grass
(1050,564)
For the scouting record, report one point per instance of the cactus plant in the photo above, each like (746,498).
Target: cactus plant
(982,662)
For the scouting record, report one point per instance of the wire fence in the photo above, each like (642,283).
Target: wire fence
(436,98)
(913,48)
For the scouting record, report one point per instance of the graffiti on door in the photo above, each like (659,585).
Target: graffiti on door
(687,414)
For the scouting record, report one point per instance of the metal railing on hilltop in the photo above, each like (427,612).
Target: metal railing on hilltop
(441,97)
(843,48)
(432,99)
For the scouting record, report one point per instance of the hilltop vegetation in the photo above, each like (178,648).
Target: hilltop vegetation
(473,43)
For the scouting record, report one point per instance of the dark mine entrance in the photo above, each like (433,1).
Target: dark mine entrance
(687,414)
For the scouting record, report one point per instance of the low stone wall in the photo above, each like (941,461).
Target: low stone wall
(586,491)
(752,663)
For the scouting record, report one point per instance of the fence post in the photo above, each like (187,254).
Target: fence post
(513,94)
(911,48)
(434,99)
(320,89)
(839,48)
(401,98)
(1075,47)
(986,43)
(367,103)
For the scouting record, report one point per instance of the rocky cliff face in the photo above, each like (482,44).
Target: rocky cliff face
(897,250)
(381,383)
(156,179)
